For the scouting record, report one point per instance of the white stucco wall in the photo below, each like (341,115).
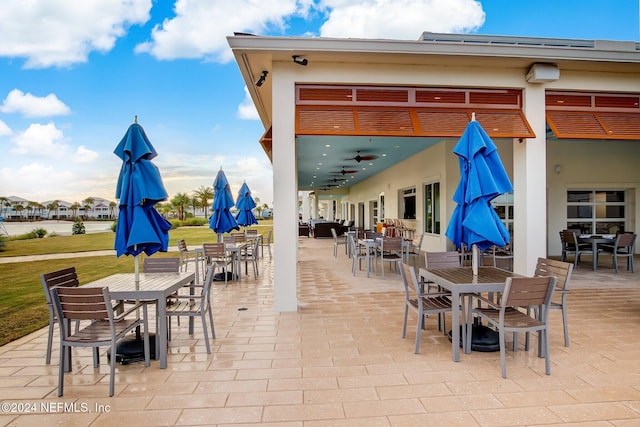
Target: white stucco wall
(540,204)
(435,164)
(606,165)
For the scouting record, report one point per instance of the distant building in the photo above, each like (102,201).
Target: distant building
(63,211)
(17,208)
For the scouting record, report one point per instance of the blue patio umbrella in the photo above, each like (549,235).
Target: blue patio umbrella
(140,228)
(482,178)
(221,220)
(245,205)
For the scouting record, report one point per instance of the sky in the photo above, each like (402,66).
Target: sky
(75,73)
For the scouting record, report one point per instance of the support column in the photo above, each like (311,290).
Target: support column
(530,186)
(285,193)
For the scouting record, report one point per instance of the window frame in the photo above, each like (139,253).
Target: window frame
(431,214)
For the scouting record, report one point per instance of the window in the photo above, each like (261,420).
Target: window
(408,201)
(503,205)
(432,208)
(596,211)
(374,212)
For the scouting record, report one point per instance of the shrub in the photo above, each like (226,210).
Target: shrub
(114,225)
(3,241)
(175,223)
(78,227)
(39,233)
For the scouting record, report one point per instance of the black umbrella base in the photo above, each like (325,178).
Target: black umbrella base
(131,349)
(482,338)
(219,277)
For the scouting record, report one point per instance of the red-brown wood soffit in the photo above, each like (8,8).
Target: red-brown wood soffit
(573,115)
(409,112)
(267,143)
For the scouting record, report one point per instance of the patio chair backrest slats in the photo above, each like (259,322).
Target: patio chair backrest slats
(161,265)
(83,303)
(527,291)
(561,270)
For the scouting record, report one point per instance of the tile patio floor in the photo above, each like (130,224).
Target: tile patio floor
(341,361)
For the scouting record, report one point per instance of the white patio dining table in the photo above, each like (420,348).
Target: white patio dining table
(152,286)
(370,245)
(596,240)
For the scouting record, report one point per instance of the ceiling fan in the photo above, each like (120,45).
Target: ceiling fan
(329,186)
(345,171)
(358,158)
(337,179)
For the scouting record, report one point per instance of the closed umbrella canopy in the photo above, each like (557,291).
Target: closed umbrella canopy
(245,205)
(482,178)
(140,227)
(221,221)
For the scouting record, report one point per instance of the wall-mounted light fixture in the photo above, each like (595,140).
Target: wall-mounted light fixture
(300,60)
(543,73)
(557,169)
(262,78)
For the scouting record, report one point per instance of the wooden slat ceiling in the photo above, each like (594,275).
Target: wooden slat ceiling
(408,121)
(408,111)
(267,143)
(573,115)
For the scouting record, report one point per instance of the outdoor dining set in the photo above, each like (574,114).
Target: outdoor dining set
(104,312)
(619,246)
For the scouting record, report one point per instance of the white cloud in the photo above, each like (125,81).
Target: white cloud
(37,181)
(400,19)
(84,155)
(63,32)
(4,129)
(200,28)
(247,109)
(40,141)
(32,106)
(190,34)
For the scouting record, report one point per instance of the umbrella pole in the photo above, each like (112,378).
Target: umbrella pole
(474,259)
(136,269)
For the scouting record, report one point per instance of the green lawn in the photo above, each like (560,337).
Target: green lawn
(22,303)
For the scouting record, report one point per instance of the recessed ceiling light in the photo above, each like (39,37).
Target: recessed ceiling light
(327,145)
(397,146)
(319,164)
(384,155)
(364,169)
(324,154)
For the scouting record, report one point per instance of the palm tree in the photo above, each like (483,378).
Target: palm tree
(165,209)
(56,206)
(88,204)
(31,209)
(112,209)
(180,200)
(204,194)
(53,206)
(74,208)
(40,208)
(19,208)
(4,205)
(195,203)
